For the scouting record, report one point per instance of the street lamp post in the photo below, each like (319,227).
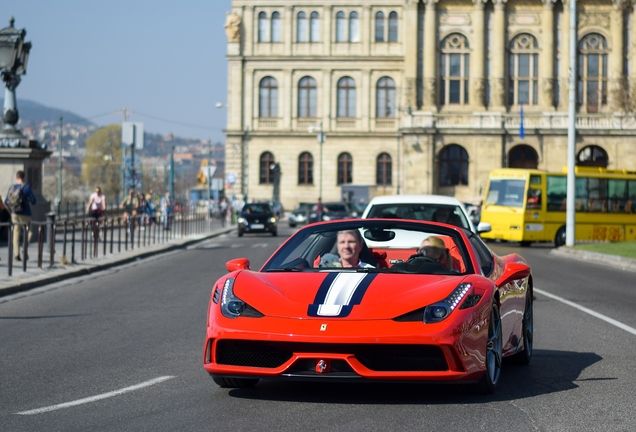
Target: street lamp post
(244,164)
(14,56)
(60,189)
(320,135)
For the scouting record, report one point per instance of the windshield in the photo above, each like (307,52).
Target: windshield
(506,192)
(450,214)
(256,208)
(373,247)
(336,207)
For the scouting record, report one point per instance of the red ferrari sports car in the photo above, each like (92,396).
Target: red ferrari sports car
(363,299)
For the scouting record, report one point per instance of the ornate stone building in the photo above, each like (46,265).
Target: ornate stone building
(421,96)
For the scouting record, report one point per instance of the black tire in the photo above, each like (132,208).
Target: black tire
(275,233)
(292,225)
(235,382)
(559,238)
(494,354)
(240,233)
(523,357)
(525,243)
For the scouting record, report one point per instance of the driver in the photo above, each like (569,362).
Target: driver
(349,245)
(434,247)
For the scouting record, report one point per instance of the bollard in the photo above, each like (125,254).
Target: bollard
(50,225)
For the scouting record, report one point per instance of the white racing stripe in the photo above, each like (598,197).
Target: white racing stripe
(340,293)
(96,398)
(607,319)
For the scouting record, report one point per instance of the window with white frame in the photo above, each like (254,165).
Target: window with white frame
(379,27)
(307,98)
(302,27)
(346,98)
(341,27)
(453,70)
(592,72)
(354,27)
(385,98)
(276,28)
(263,27)
(393,27)
(523,68)
(268,98)
(314,27)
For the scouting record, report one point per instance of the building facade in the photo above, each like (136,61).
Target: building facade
(421,96)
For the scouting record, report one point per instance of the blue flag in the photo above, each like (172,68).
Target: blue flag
(522,133)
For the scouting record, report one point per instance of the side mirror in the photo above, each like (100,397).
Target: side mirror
(483,227)
(513,271)
(237,264)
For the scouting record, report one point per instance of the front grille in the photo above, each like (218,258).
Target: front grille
(381,358)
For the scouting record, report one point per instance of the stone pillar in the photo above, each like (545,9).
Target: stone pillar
(430,56)
(564,73)
(498,83)
(365,30)
(616,56)
(288,29)
(410,54)
(546,58)
(477,84)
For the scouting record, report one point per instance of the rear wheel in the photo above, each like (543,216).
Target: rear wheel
(524,357)
(235,382)
(275,233)
(240,233)
(525,243)
(494,353)
(559,238)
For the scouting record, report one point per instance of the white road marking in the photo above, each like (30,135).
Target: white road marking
(96,398)
(259,245)
(607,319)
(237,245)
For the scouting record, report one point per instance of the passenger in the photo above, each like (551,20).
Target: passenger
(447,216)
(434,247)
(349,245)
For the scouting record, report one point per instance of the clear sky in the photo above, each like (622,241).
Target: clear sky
(165,60)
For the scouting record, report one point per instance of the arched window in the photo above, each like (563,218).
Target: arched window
(385,98)
(592,72)
(523,156)
(263,27)
(453,70)
(266,172)
(345,165)
(341,27)
(301,27)
(305,169)
(268,98)
(314,27)
(379,27)
(354,27)
(524,69)
(393,27)
(276,28)
(453,166)
(592,156)
(346,97)
(384,170)
(307,97)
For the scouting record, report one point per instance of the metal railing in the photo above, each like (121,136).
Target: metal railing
(83,238)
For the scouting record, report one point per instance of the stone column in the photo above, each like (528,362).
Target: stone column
(365,30)
(430,56)
(410,54)
(476,73)
(564,73)
(497,80)
(546,58)
(288,29)
(616,56)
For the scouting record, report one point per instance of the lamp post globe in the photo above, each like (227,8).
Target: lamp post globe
(14,56)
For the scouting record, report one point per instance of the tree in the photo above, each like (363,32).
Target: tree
(102,164)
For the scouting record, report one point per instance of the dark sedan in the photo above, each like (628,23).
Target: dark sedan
(257,217)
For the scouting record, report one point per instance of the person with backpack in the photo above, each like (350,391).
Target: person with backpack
(19,199)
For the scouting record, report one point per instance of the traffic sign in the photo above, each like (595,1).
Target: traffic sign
(230,178)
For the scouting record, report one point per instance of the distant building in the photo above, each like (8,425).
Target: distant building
(423,96)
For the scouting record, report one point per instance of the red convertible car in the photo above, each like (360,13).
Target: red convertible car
(362,300)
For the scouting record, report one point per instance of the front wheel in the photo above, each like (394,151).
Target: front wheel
(523,357)
(494,353)
(559,238)
(224,382)
(275,233)
(240,233)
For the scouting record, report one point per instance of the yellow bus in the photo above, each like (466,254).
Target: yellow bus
(528,205)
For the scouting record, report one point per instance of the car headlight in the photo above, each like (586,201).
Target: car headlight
(326,218)
(272,220)
(441,310)
(231,305)
(242,221)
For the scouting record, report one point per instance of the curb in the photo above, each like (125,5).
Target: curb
(627,264)
(63,274)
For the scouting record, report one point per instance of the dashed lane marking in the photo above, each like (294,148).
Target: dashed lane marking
(260,245)
(96,398)
(607,319)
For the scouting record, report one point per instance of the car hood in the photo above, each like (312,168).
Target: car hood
(348,295)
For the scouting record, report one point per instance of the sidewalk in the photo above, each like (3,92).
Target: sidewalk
(35,277)
(628,264)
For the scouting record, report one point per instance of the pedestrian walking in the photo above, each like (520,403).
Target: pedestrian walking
(319,209)
(96,204)
(223,210)
(19,199)
(166,210)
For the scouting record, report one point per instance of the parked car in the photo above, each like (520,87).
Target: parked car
(435,208)
(357,209)
(300,216)
(403,316)
(257,217)
(333,211)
